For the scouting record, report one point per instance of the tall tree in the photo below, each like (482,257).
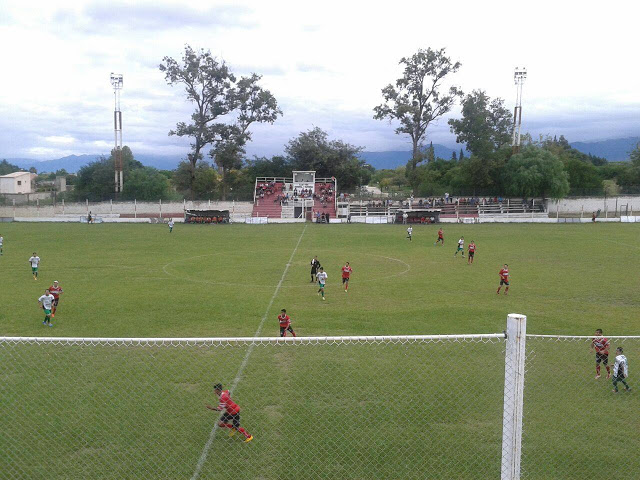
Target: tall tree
(485,125)
(536,172)
(252,104)
(95,180)
(312,150)
(207,83)
(416,99)
(7,168)
(206,183)
(431,153)
(225,107)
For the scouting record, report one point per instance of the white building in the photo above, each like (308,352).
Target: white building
(17,182)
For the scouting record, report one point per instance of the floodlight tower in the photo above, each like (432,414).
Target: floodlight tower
(116,82)
(519,76)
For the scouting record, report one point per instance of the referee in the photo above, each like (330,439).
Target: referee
(315,265)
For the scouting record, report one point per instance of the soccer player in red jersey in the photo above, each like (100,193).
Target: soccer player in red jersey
(440,237)
(55,290)
(231,412)
(601,346)
(504,279)
(472,252)
(346,273)
(285,323)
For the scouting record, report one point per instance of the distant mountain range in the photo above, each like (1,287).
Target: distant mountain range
(73,163)
(613,150)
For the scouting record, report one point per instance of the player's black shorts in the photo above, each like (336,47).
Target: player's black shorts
(345,279)
(235,419)
(314,271)
(602,357)
(471,254)
(55,302)
(283,329)
(504,282)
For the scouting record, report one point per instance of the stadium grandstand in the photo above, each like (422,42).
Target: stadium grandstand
(300,196)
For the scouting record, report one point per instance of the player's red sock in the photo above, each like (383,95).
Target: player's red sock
(225,425)
(244,432)
(597,369)
(608,369)
(294,334)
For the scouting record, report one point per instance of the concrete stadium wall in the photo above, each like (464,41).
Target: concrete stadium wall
(122,208)
(592,204)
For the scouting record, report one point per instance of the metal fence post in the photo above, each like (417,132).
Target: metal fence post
(513,396)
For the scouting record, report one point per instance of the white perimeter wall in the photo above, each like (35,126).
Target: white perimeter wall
(119,208)
(592,204)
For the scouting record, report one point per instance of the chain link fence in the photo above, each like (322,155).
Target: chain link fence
(574,425)
(317,408)
(342,408)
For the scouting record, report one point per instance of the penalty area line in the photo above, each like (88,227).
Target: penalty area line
(245,361)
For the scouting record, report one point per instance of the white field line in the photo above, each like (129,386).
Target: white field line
(245,360)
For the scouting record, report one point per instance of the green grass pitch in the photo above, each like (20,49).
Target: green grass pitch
(332,411)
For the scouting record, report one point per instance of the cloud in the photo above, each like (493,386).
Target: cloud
(308,67)
(66,140)
(152,16)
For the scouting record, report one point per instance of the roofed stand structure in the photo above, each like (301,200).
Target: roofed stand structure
(301,196)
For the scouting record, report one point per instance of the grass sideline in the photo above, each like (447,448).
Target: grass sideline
(141,409)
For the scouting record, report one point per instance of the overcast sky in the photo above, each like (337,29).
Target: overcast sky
(325,62)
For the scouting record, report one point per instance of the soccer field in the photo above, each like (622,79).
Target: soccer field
(419,410)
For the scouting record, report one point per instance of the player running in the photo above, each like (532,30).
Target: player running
(504,279)
(315,265)
(601,346)
(1,240)
(346,273)
(440,237)
(460,247)
(55,290)
(47,301)
(472,252)
(285,323)
(231,412)
(620,371)
(322,280)
(171,225)
(409,233)
(34,261)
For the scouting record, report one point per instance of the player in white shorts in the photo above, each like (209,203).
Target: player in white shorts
(47,304)
(34,261)
(322,280)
